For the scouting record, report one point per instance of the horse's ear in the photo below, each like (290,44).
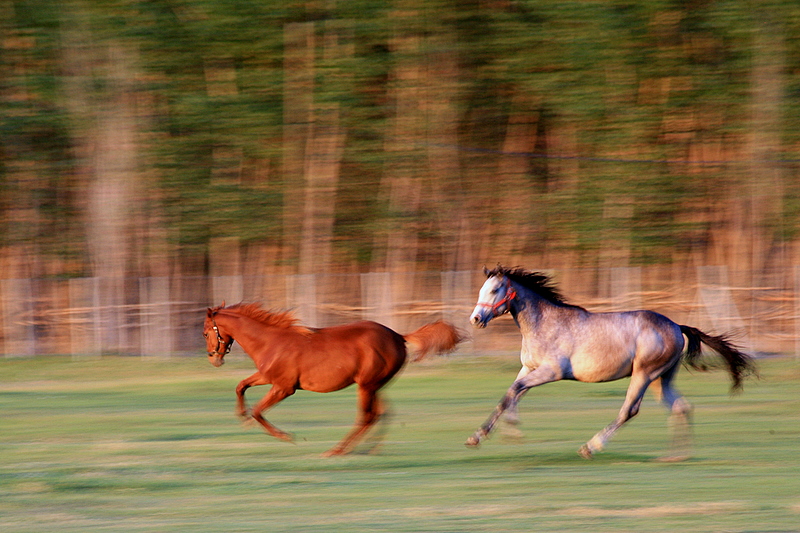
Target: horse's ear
(486,271)
(223,304)
(210,312)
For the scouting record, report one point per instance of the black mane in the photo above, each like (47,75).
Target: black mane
(537,282)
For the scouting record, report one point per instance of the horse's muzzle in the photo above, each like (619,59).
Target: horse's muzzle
(479,321)
(216,359)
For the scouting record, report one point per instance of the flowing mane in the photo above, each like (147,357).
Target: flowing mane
(537,282)
(283,319)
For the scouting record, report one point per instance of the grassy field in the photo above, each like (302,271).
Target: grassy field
(128,444)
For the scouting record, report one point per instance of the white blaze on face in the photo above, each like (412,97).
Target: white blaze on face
(487,298)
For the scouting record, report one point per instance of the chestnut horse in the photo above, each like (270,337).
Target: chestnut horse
(293,357)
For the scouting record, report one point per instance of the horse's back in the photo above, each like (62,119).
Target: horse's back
(365,334)
(368,350)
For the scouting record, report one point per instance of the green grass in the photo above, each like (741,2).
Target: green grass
(125,444)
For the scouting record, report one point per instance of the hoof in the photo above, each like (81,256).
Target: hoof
(286,437)
(585,452)
(473,441)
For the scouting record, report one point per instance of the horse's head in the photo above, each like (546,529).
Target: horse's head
(218,342)
(494,299)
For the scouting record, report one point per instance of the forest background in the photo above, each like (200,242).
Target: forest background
(166,139)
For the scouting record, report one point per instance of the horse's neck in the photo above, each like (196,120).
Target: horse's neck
(528,309)
(248,333)
(533,313)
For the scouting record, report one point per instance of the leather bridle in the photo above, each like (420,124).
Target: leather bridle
(220,341)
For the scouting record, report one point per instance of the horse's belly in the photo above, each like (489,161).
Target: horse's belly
(601,368)
(326,381)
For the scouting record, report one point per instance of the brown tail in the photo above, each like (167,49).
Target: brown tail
(437,337)
(740,365)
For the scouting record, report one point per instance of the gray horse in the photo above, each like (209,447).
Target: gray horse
(562,341)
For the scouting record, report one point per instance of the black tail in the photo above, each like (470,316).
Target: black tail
(740,365)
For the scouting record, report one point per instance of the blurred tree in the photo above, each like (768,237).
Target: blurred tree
(38,206)
(218,137)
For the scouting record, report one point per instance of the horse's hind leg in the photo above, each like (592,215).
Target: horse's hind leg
(680,419)
(371,410)
(630,408)
(374,440)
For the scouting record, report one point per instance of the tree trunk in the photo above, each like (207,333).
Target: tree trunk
(516,198)
(323,159)
(766,180)
(447,200)
(103,128)
(402,179)
(298,100)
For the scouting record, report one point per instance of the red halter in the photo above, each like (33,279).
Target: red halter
(510,295)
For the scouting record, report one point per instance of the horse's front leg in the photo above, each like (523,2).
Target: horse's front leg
(512,414)
(540,376)
(241,405)
(275,395)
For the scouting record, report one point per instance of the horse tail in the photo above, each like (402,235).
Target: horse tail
(437,337)
(740,365)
